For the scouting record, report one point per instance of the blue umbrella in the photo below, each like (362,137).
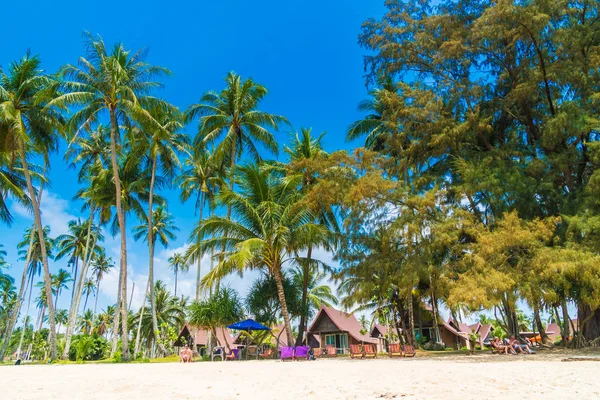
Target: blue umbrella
(249,325)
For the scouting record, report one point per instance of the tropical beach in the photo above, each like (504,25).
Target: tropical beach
(382,199)
(452,379)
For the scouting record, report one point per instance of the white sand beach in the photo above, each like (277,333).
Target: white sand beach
(476,377)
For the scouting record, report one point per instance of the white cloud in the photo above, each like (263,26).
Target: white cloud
(55,213)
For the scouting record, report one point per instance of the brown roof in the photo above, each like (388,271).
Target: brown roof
(201,335)
(452,330)
(484,331)
(381,328)
(344,322)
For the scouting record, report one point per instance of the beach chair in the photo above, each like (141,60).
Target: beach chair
(232,355)
(301,353)
(331,351)
(317,352)
(267,353)
(355,351)
(369,351)
(218,351)
(252,351)
(408,351)
(287,353)
(394,350)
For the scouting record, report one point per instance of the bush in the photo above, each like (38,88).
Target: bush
(434,346)
(88,348)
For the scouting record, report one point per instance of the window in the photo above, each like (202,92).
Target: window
(337,340)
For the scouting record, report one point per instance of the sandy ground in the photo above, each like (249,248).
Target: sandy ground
(475,377)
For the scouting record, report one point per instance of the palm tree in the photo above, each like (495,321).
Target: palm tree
(29,125)
(89,287)
(318,293)
(159,143)
(30,251)
(169,310)
(59,282)
(119,83)
(217,311)
(177,263)
(233,115)
(304,150)
(200,179)
(270,227)
(62,317)
(86,322)
(100,267)
(75,244)
(162,229)
(12,184)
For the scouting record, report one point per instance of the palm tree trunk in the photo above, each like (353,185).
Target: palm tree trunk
(74,279)
(26,315)
(87,295)
(139,328)
(151,251)
(566,330)
(198,274)
(436,326)
(176,268)
(74,310)
(121,219)
(96,297)
(43,250)
(284,310)
(411,319)
(22,290)
(116,320)
(304,301)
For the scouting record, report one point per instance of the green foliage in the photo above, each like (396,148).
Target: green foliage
(88,348)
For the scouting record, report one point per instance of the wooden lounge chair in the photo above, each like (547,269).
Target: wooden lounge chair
(301,353)
(369,351)
(267,353)
(331,351)
(252,351)
(317,352)
(408,351)
(394,350)
(287,353)
(232,355)
(355,351)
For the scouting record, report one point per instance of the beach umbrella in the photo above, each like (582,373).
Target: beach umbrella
(248,325)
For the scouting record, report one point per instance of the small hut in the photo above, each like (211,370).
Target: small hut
(197,338)
(338,329)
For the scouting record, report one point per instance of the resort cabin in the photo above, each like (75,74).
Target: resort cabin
(553,331)
(336,328)
(197,338)
(380,333)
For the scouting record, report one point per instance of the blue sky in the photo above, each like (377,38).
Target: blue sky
(305,53)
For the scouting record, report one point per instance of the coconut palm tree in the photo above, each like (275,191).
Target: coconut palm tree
(169,310)
(178,263)
(162,229)
(268,229)
(101,265)
(223,308)
(86,322)
(59,282)
(28,125)
(159,144)
(89,287)
(304,150)
(75,244)
(12,184)
(318,293)
(30,251)
(118,83)
(201,178)
(233,116)
(62,317)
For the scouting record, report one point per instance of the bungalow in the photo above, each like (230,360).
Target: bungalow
(197,337)
(380,333)
(338,329)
